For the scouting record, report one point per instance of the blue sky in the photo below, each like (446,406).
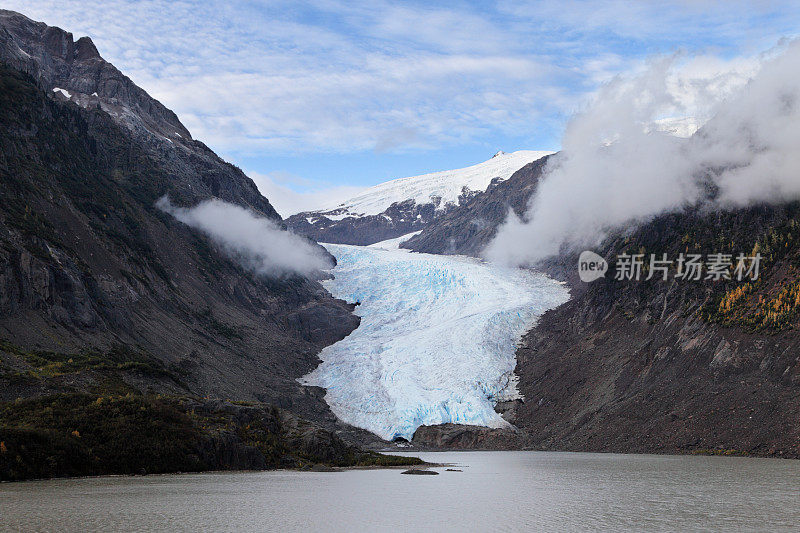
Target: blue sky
(316,99)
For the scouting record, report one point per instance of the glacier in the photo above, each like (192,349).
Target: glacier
(437,338)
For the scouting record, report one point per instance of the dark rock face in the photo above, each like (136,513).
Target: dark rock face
(87,263)
(399,219)
(621,384)
(461,437)
(54,60)
(648,367)
(303,441)
(468,228)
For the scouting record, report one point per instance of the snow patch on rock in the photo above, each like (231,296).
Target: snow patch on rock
(62,91)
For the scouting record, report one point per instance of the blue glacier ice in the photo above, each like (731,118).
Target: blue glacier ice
(436,342)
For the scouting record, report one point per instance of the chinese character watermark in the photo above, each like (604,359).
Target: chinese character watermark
(685,267)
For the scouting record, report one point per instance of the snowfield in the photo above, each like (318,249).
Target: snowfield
(447,185)
(436,342)
(62,91)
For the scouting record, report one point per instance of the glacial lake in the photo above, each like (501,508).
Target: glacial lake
(500,491)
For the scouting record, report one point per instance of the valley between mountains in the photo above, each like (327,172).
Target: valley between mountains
(138,338)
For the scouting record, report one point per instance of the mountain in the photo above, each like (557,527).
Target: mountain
(74,72)
(404,205)
(104,297)
(468,228)
(651,366)
(674,366)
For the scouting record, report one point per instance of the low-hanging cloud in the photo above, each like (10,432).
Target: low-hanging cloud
(616,168)
(257,243)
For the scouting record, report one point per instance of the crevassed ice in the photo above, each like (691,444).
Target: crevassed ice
(436,342)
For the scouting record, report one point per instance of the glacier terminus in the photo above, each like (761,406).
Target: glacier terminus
(437,338)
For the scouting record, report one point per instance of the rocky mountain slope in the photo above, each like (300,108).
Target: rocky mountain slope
(653,366)
(73,71)
(468,228)
(675,366)
(404,205)
(103,294)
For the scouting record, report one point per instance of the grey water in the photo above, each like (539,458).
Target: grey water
(499,491)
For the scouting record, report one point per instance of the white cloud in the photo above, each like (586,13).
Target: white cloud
(333,76)
(616,170)
(258,243)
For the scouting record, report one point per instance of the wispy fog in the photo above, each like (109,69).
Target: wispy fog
(258,243)
(617,168)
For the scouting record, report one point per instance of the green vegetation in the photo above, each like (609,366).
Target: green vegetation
(45,364)
(78,194)
(772,303)
(86,434)
(80,434)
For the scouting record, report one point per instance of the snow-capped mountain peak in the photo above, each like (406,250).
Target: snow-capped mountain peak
(404,205)
(439,188)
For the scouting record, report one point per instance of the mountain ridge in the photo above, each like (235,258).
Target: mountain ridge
(404,205)
(650,366)
(104,296)
(51,56)
(468,228)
